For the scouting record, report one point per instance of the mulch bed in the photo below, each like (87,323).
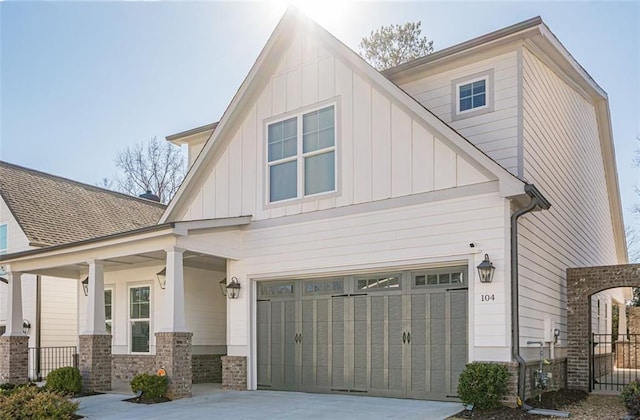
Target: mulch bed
(147,401)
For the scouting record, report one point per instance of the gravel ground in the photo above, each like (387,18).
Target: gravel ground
(578,405)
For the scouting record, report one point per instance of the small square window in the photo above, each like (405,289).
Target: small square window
(472,95)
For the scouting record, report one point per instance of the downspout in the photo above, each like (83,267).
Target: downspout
(537,200)
(38,326)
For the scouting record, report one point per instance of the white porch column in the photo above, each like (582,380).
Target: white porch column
(14,304)
(95,300)
(174,292)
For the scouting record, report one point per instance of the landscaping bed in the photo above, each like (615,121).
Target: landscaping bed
(579,404)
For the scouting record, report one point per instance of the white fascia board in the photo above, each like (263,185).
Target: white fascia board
(183,228)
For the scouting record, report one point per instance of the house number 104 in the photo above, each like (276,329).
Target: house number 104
(487,298)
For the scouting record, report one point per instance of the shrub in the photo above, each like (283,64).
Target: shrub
(631,398)
(34,403)
(483,384)
(151,386)
(66,380)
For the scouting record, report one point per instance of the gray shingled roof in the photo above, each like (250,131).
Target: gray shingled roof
(53,210)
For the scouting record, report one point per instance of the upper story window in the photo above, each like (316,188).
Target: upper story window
(301,156)
(472,95)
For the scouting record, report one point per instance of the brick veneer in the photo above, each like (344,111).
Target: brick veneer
(173,354)
(126,366)
(95,362)
(234,373)
(581,284)
(207,368)
(14,359)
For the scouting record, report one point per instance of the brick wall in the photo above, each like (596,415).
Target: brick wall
(95,362)
(234,373)
(581,284)
(206,368)
(558,369)
(14,359)
(173,354)
(125,366)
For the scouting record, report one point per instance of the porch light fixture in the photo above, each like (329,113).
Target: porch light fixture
(485,270)
(26,326)
(223,286)
(233,288)
(85,286)
(162,278)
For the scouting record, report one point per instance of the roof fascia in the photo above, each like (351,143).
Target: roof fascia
(189,135)
(183,228)
(225,125)
(93,243)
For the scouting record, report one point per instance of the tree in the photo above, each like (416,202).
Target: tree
(155,166)
(393,45)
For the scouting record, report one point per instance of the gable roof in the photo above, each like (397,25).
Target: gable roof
(52,210)
(510,185)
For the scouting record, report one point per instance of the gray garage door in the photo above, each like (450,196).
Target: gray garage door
(393,334)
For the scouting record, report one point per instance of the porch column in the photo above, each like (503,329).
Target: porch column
(173,341)
(14,345)
(95,342)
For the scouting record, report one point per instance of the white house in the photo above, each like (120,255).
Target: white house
(348,210)
(39,210)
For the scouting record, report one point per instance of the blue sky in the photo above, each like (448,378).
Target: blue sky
(80,81)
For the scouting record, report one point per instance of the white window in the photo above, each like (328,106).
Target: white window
(472,95)
(139,309)
(108,310)
(301,155)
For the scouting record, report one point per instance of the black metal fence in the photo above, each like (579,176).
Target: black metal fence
(43,360)
(615,361)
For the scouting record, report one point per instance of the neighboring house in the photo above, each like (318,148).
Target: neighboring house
(39,210)
(347,210)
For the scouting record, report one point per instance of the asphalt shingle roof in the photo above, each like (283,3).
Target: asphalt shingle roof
(52,210)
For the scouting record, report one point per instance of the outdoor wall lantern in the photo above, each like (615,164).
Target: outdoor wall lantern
(485,270)
(26,326)
(85,286)
(233,288)
(162,278)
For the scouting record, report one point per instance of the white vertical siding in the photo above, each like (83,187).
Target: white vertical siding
(383,150)
(495,133)
(562,157)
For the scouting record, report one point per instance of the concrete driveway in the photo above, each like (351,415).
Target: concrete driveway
(209,403)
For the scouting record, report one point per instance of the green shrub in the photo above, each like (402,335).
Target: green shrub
(483,384)
(33,403)
(151,386)
(631,398)
(66,380)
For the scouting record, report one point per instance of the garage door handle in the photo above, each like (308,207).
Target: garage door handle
(404,337)
(409,338)
(296,338)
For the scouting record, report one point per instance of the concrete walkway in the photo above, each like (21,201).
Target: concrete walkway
(212,403)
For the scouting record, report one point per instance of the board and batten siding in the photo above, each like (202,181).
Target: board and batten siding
(383,150)
(435,233)
(562,157)
(496,132)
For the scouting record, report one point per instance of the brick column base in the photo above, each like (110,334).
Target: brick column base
(173,354)
(234,373)
(95,362)
(14,359)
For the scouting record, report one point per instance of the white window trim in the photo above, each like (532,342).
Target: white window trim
(300,155)
(5,250)
(487,76)
(111,321)
(130,320)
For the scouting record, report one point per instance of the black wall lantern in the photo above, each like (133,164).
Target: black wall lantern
(85,286)
(233,288)
(162,278)
(485,270)
(26,326)
(223,286)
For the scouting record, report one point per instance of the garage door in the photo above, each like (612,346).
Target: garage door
(398,334)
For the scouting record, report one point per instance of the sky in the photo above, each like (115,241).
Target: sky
(80,81)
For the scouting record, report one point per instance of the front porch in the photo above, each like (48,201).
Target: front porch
(147,301)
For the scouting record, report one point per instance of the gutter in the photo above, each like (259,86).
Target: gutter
(537,201)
